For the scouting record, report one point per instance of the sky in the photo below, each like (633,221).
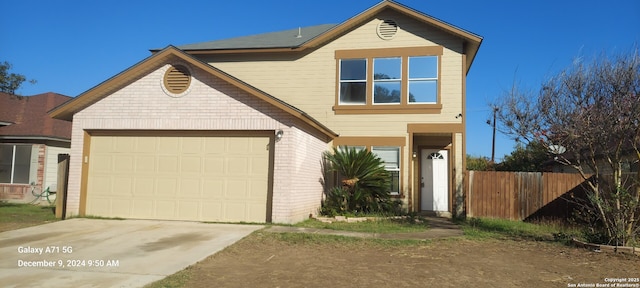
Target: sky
(70,46)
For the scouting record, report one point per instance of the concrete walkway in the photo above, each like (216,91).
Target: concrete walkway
(438,228)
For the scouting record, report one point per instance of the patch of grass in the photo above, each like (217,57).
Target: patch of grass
(16,216)
(176,280)
(488,228)
(381,225)
(335,240)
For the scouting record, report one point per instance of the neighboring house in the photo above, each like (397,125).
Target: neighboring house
(30,141)
(234,130)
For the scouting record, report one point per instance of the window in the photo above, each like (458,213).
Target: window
(15,163)
(353,81)
(393,80)
(423,79)
(387,80)
(391,158)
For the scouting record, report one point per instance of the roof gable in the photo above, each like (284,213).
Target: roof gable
(102,90)
(316,36)
(26,117)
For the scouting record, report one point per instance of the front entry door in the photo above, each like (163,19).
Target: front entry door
(434,180)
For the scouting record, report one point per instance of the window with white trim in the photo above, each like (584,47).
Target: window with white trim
(387,80)
(15,164)
(423,79)
(391,158)
(353,81)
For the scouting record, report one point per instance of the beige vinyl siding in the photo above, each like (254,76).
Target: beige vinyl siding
(51,166)
(308,81)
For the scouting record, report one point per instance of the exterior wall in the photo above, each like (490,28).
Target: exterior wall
(144,105)
(308,81)
(51,166)
(307,164)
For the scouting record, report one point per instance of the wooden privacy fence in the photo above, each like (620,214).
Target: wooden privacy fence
(519,195)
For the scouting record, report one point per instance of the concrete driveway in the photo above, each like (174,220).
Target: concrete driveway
(108,253)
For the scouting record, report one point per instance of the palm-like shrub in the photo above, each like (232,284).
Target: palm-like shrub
(364,185)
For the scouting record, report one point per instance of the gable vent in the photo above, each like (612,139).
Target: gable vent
(177,79)
(387,29)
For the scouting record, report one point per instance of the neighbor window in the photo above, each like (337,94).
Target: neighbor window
(391,158)
(353,81)
(15,163)
(423,79)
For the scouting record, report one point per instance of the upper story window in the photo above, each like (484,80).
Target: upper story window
(353,81)
(423,79)
(395,80)
(387,80)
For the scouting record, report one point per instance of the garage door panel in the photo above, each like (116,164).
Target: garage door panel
(166,187)
(167,164)
(192,145)
(168,145)
(190,188)
(188,210)
(121,207)
(214,188)
(235,211)
(124,145)
(238,145)
(185,178)
(236,190)
(122,186)
(191,164)
(144,186)
(213,165)
(142,207)
(145,145)
(165,209)
(237,165)
(99,206)
(102,163)
(215,145)
(145,164)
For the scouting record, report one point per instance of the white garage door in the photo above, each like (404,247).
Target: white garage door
(179,178)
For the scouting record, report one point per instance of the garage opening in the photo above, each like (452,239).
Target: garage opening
(222,177)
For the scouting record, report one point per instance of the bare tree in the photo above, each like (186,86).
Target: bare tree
(591,110)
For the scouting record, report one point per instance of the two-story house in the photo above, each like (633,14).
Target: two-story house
(235,129)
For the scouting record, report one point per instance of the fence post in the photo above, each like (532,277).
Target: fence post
(63,179)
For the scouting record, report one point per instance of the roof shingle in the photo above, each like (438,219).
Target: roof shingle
(27,116)
(281,39)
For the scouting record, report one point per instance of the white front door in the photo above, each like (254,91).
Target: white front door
(434,180)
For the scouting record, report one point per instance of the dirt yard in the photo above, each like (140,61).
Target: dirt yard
(265,260)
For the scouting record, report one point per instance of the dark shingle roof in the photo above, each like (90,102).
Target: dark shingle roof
(282,39)
(27,116)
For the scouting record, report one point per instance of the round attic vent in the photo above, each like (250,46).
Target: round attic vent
(177,79)
(387,29)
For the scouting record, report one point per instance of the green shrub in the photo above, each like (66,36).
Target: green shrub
(364,185)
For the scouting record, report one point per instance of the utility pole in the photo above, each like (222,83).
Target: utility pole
(493,144)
